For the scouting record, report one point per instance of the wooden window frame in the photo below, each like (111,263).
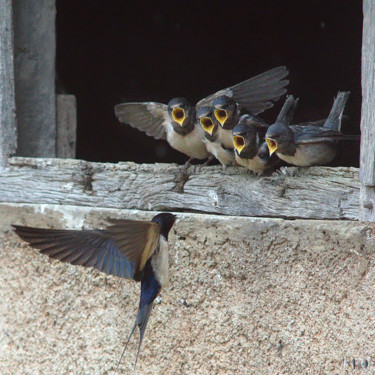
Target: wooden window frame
(326,193)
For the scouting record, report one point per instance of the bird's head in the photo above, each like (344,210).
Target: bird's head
(207,120)
(246,138)
(180,111)
(166,221)
(279,138)
(225,109)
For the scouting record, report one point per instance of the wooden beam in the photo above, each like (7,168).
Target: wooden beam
(66,124)
(367,170)
(8,137)
(309,193)
(35,45)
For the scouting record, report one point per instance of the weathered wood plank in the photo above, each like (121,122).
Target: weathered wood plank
(66,123)
(35,45)
(8,136)
(318,192)
(367,170)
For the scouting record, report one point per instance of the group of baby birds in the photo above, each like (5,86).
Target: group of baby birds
(226,125)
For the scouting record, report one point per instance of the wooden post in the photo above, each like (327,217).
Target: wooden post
(66,124)
(367,170)
(34,51)
(8,138)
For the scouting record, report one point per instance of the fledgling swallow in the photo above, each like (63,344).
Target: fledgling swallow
(212,129)
(175,122)
(251,149)
(268,88)
(306,145)
(132,249)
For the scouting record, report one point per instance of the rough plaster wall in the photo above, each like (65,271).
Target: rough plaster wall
(247,296)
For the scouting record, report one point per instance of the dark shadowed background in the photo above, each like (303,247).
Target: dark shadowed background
(114,51)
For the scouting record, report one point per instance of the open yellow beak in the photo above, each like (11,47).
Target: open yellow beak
(207,125)
(221,116)
(178,115)
(239,143)
(272,145)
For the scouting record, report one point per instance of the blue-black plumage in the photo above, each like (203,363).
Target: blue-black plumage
(131,249)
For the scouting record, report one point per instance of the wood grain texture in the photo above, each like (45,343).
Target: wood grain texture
(66,123)
(315,193)
(367,170)
(34,58)
(8,135)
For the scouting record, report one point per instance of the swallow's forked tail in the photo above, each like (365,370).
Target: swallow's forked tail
(141,321)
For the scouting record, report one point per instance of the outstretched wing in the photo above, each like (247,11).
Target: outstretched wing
(120,254)
(255,94)
(149,117)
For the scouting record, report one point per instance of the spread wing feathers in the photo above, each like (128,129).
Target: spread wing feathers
(137,240)
(313,134)
(149,117)
(257,93)
(333,121)
(94,248)
(287,111)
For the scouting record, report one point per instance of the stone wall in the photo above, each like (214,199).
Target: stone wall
(247,296)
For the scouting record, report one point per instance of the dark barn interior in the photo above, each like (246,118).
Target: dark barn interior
(114,51)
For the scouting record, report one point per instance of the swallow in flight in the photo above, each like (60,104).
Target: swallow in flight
(131,249)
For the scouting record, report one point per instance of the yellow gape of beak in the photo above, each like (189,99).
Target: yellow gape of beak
(272,145)
(178,115)
(221,116)
(239,143)
(207,125)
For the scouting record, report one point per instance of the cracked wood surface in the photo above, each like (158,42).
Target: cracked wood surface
(309,193)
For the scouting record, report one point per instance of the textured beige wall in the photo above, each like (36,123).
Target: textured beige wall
(263,296)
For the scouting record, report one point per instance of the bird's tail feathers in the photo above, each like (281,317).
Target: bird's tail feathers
(335,116)
(287,111)
(141,321)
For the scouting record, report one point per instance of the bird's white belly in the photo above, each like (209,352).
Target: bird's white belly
(191,144)
(255,164)
(226,138)
(160,263)
(310,154)
(225,157)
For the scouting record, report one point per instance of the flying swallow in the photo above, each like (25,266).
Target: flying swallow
(212,129)
(268,88)
(309,144)
(176,121)
(131,249)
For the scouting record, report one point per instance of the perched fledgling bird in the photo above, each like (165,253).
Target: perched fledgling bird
(305,145)
(131,249)
(228,109)
(212,129)
(251,149)
(176,121)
